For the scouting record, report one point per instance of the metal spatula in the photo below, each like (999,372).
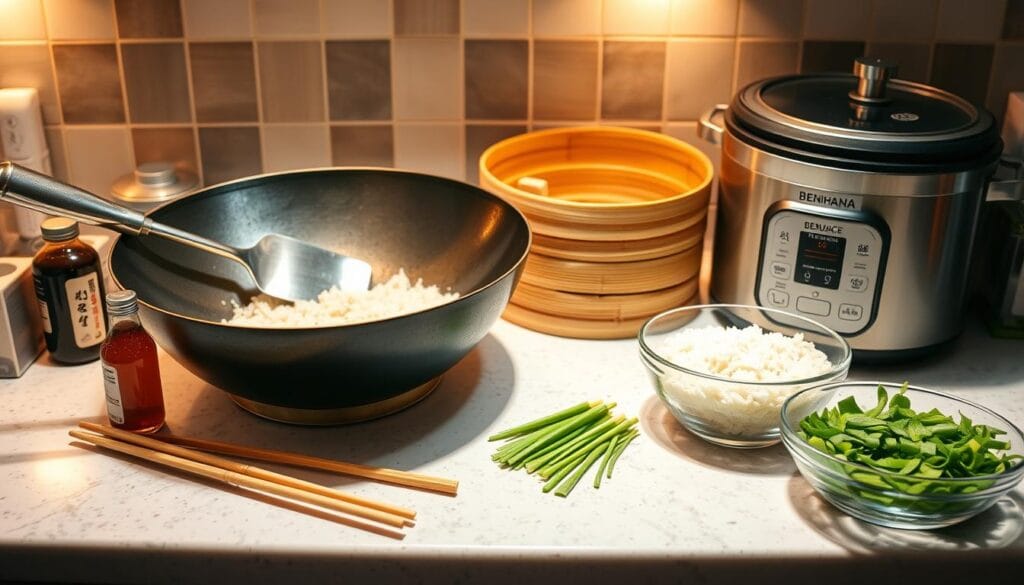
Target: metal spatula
(281,266)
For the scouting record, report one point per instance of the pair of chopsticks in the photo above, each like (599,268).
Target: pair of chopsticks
(160,450)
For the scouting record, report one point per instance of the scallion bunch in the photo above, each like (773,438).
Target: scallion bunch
(561,447)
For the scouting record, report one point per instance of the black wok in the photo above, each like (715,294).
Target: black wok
(446,232)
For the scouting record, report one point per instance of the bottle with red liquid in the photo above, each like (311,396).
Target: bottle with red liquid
(131,372)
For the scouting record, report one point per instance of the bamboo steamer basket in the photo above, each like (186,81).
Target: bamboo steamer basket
(623,250)
(618,218)
(615,308)
(575,327)
(597,278)
(603,183)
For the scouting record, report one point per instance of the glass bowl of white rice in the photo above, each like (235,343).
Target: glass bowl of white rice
(723,371)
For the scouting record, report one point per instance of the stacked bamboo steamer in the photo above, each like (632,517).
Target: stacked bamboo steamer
(617,216)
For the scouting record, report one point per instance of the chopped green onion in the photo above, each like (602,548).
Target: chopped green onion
(566,486)
(544,421)
(563,446)
(604,462)
(619,449)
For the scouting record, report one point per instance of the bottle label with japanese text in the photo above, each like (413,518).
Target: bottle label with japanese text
(86,311)
(112,388)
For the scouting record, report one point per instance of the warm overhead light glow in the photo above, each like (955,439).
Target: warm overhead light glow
(62,474)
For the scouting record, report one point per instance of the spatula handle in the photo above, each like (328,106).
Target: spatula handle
(40,192)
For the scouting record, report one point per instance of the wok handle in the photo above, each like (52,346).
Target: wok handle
(40,192)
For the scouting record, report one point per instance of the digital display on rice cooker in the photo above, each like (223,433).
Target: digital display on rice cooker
(819,260)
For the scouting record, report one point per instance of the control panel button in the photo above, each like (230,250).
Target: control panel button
(784,236)
(779,298)
(780,270)
(813,306)
(857,282)
(850,312)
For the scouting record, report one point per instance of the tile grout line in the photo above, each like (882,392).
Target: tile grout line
(194,124)
(60,104)
(461,142)
(326,80)
(260,114)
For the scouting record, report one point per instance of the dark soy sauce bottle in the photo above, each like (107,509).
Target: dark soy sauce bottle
(69,288)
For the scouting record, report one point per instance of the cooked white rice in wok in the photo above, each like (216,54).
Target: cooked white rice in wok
(397,296)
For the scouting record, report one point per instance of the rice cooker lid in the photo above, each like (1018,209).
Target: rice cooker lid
(865,118)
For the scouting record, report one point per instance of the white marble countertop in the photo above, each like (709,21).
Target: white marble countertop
(677,509)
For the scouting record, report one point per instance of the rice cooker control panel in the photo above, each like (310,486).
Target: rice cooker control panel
(826,265)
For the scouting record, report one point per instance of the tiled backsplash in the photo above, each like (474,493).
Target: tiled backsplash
(237,87)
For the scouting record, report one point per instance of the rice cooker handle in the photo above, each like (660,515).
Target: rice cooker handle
(1011,189)
(708,128)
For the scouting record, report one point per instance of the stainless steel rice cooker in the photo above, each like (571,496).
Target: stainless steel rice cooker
(852,200)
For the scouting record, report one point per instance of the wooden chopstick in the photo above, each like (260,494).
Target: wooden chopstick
(150,442)
(404,478)
(236,474)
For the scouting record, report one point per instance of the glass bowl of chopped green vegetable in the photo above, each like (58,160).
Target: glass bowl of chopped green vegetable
(901,456)
(723,371)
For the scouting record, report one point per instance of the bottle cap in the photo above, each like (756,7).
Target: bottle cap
(59,229)
(121,303)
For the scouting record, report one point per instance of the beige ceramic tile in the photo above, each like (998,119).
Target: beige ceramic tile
(771,18)
(356,18)
(359,80)
(223,82)
(222,19)
(565,80)
(698,76)
(156,81)
(426,17)
(478,139)
(496,79)
(633,79)
(557,18)
(98,156)
(1013,20)
(291,81)
(970,20)
(58,156)
(687,132)
(428,79)
(371,146)
(89,83)
(760,59)
(436,149)
(175,145)
(138,19)
(963,69)
(1008,75)
(904,20)
(80,19)
(912,59)
(30,66)
(22,20)
(833,56)
(703,17)
(286,17)
(496,17)
(628,17)
(229,153)
(295,147)
(831,20)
